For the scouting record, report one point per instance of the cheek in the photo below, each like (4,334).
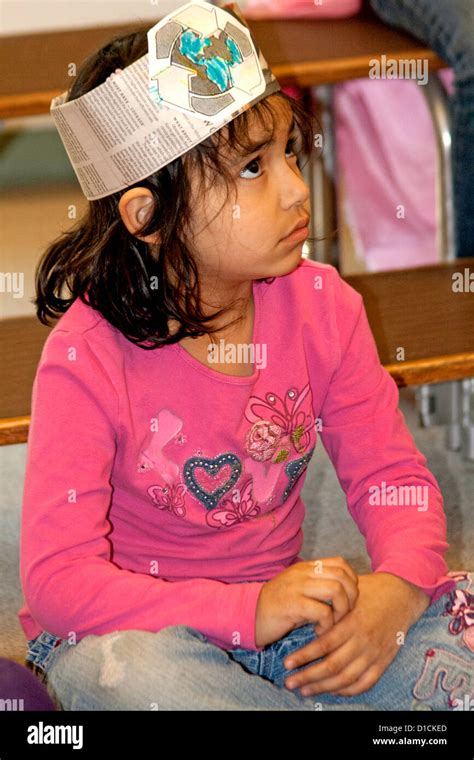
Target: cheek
(251,224)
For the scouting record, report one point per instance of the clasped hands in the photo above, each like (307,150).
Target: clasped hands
(359,646)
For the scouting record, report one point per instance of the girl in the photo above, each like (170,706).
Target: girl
(161,523)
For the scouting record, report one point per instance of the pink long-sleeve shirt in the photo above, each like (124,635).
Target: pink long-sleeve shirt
(159,491)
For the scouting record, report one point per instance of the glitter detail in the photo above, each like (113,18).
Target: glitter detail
(212,466)
(293,470)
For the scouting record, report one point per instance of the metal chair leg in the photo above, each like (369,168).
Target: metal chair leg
(426,405)
(467,406)
(454,432)
(437,100)
(450,404)
(435,403)
(440,404)
(317,173)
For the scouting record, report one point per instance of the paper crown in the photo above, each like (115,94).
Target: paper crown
(203,68)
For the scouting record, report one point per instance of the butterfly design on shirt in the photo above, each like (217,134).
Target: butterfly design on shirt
(170,498)
(280,425)
(239,508)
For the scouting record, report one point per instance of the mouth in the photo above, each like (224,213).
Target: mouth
(300,230)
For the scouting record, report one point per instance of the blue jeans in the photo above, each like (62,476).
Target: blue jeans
(177,668)
(448,28)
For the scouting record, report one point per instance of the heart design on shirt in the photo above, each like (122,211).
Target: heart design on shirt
(293,470)
(210,481)
(212,475)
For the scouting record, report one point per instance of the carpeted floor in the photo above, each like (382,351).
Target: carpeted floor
(329,529)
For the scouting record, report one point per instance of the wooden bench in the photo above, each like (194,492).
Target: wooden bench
(414,309)
(418,311)
(300,52)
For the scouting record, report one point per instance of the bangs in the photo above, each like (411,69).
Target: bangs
(250,131)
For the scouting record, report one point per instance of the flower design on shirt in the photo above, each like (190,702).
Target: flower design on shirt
(262,439)
(239,508)
(279,425)
(170,498)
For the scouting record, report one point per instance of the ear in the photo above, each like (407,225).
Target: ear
(135,208)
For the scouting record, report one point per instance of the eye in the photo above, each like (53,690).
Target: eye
(292,143)
(253,166)
(250,167)
(293,147)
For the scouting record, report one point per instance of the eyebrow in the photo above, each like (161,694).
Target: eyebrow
(259,144)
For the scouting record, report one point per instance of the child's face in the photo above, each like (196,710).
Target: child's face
(243,240)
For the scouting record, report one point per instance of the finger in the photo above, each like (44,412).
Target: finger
(318,613)
(338,562)
(321,570)
(320,630)
(323,617)
(343,573)
(343,680)
(365,682)
(343,671)
(330,666)
(330,591)
(320,647)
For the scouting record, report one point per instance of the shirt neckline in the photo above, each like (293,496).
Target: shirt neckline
(220,376)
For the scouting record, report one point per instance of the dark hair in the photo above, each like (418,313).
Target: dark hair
(100,259)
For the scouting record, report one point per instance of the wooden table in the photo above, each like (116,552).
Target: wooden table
(415,309)
(302,52)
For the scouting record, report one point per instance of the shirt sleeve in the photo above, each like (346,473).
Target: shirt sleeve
(391,495)
(69,580)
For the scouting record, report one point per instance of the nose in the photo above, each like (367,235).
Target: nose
(294,190)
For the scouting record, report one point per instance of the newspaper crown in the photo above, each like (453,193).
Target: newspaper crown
(202,70)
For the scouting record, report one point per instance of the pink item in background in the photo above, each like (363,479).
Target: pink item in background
(299,8)
(386,161)
(293,91)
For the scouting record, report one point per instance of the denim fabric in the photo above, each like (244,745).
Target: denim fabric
(448,28)
(434,669)
(39,651)
(177,668)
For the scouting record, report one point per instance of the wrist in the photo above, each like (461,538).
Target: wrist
(418,600)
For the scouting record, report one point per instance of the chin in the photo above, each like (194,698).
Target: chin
(291,262)
(285,265)
(282,270)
